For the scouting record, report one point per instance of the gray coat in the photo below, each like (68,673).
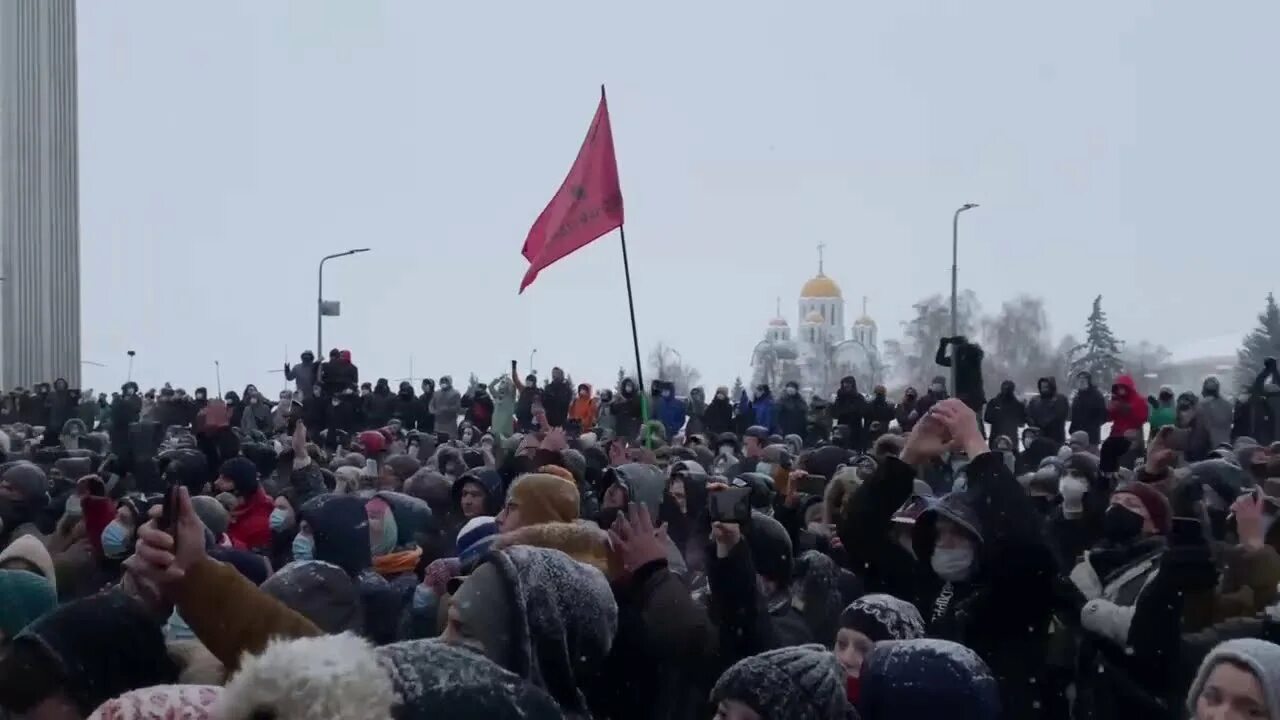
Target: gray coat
(446,405)
(1217,415)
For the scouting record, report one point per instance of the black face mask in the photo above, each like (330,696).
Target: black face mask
(1121,525)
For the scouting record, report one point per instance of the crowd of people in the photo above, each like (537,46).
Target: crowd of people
(518,549)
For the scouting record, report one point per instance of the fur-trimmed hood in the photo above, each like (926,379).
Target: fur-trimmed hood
(582,541)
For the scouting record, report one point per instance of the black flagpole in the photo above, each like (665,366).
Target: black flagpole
(635,337)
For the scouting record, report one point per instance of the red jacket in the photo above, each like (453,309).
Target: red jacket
(250,527)
(1129,413)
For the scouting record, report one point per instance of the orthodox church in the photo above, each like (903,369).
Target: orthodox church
(821,353)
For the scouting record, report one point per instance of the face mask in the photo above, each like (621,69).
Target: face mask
(279,519)
(304,548)
(721,396)
(1120,524)
(73,508)
(791,391)
(253,401)
(387,542)
(1072,488)
(952,564)
(445,385)
(115,540)
(936,388)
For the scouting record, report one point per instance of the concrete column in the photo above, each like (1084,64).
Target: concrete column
(39,192)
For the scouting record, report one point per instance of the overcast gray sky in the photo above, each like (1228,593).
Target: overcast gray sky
(1127,148)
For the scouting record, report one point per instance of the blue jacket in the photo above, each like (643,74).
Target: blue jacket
(766,413)
(671,411)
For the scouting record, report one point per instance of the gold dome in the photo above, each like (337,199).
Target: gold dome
(820,287)
(814,317)
(778,322)
(865,320)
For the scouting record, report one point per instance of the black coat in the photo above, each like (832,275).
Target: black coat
(1089,413)
(626,415)
(879,410)
(1050,415)
(556,397)
(793,415)
(1003,612)
(850,408)
(405,409)
(1006,415)
(719,417)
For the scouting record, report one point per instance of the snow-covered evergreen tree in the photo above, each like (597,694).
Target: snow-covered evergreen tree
(1262,343)
(1099,354)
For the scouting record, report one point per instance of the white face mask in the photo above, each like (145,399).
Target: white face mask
(1072,488)
(953,564)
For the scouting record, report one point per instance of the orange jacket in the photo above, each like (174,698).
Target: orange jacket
(584,410)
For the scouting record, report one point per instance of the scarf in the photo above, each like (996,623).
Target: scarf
(397,563)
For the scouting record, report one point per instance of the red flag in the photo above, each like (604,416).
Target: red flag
(587,205)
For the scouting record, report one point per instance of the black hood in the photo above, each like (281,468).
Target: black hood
(1051,382)
(340,527)
(412,516)
(490,480)
(1007,388)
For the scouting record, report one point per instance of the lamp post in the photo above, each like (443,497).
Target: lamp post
(532,353)
(955,246)
(129,377)
(320,296)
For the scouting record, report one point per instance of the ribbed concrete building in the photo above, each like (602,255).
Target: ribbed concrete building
(39,192)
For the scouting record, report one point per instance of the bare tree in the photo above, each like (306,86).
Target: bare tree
(911,358)
(666,364)
(1142,359)
(1017,342)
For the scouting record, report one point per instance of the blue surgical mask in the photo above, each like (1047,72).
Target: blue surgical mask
(279,519)
(115,540)
(953,564)
(304,548)
(424,598)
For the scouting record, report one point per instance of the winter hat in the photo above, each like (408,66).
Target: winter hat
(543,497)
(770,548)
(30,550)
(348,478)
(918,678)
(883,617)
(91,650)
(343,677)
(564,620)
(1156,504)
(243,475)
(804,682)
(26,479)
(178,702)
(557,471)
(474,538)
(575,462)
(211,513)
(372,441)
(321,592)
(1261,657)
(402,466)
(24,596)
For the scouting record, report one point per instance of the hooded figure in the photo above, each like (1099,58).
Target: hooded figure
(303,375)
(1215,414)
(1128,410)
(405,407)
(626,410)
(337,532)
(670,409)
(1048,411)
(803,682)
(908,412)
(23,499)
(395,522)
(250,527)
(697,408)
(880,413)
(556,397)
(1005,413)
(1225,669)
(504,406)
(764,411)
(342,677)
(793,412)
(718,419)
(479,407)
(488,484)
(445,406)
(323,593)
(1088,408)
(540,614)
(850,408)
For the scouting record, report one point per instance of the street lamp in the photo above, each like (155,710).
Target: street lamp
(531,354)
(320,296)
(955,246)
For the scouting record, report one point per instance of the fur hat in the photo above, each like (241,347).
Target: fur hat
(803,682)
(544,498)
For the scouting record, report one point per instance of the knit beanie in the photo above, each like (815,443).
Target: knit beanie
(211,513)
(243,475)
(30,550)
(1154,501)
(883,617)
(24,596)
(1261,657)
(803,682)
(770,548)
(474,538)
(544,498)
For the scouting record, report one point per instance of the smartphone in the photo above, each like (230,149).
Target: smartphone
(169,511)
(730,505)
